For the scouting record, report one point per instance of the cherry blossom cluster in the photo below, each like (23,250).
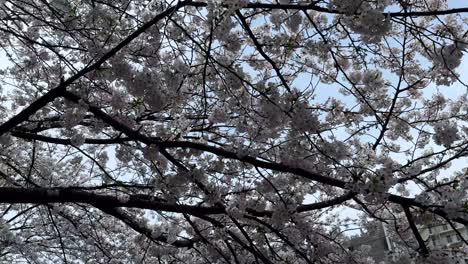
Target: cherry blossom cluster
(446,133)
(365,17)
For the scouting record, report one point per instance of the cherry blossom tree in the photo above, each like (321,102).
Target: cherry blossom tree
(158,131)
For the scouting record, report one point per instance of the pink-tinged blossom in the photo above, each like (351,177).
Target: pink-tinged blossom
(449,56)
(294,21)
(446,60)
(371,25)
(446,134)
(305,120)
(77,139)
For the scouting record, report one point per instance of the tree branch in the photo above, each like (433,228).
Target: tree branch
(422,246)
(60,89)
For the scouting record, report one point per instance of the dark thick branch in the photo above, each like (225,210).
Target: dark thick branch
(134,135)
(64,141)
(315,7)
(422,246)
(101,201)
(144,230)
(109,203)
(32,108)
(254,161)
(307,207)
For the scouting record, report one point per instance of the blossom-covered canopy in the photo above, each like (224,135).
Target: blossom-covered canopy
(164,131)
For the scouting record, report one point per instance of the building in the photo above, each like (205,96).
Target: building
(378,241)
(438,237)
(444,237)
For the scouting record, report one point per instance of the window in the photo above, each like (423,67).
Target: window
(445,227)
(449,239)
(434,241)
(430,230)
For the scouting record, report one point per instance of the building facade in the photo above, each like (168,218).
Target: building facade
(377,240)
(445,237)
(439,237)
